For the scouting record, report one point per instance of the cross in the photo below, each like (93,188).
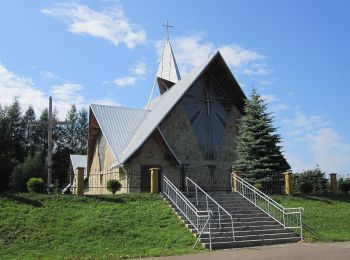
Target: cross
(49,123)
(207,100)
(167,28)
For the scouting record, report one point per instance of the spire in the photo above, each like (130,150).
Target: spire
(168,73)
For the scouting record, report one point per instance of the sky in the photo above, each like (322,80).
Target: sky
(296,53)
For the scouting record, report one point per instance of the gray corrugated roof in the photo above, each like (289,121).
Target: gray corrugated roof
(79,160)
(118,125)
(161,109)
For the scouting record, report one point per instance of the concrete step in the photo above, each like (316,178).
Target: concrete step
(250,243)
(229,237)
(252,227)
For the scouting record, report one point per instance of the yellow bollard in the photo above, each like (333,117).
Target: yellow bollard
(80,180)
(288,178)
(154,179)
(235,181)
(334,184)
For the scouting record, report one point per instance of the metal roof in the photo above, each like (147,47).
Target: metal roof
(167,66)
(79,160)
(167,101)
(118,125)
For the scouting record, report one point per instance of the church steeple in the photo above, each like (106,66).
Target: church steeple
(167,74)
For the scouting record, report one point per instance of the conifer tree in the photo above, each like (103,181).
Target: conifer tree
(71,130)
(259,156)
(82,131)
(29,131)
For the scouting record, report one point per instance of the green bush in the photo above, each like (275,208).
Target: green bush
(36,185)
(345,186)
(306,187)
(314,177)
(113,186)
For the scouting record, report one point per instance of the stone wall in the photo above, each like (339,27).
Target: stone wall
(96,184)
(150,154)
(180,135)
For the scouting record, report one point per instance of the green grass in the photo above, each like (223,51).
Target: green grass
(326,218)
(108,227)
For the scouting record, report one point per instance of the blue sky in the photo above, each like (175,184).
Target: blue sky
(297,53)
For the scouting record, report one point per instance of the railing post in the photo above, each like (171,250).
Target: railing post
(196,195)
(235,180)
(80,180)
(210,231)
(154,180)
(219,216)
(301,224)
(187,186)
(333,184)
(255,197)
(206,199)
(288,178)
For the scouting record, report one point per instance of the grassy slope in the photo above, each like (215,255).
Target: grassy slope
(327,218)
(133,225)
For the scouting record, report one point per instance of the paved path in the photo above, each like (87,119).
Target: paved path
(314,251)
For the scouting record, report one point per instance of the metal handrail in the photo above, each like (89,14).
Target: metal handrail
(207,196)
(287,217)
(200,219)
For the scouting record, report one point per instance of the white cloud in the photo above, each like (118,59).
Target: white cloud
(315,136)
(191,51)
(279,107)
(111,25)
(136,73)
(48,75)
(269,98)
(67,91)
(106,101)
(266,82)
(140,69)
(125,81)
(256,69)
(14,86)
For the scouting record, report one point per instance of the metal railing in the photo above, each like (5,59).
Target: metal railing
(288,217)
(216,207)
(200,220)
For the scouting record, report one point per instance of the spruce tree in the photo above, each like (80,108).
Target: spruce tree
(29,131)
(259,156)
(82,131)
(71,138)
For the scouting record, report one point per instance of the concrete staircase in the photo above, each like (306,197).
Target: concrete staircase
(252,226)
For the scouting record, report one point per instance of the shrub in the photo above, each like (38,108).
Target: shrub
(345,186)
(113,186)
(36,185)
(314,177)
(306,187)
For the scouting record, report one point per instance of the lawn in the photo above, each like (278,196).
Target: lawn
(326,218)
(107,227)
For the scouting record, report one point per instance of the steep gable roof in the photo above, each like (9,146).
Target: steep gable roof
(118,125)
(167,66)
(170,98)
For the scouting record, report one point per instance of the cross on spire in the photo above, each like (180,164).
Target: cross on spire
(167,28)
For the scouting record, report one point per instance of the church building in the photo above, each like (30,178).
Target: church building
(188,130)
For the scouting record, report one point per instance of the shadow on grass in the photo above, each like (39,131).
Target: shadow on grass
(110,199)
(327,198)
(22,200)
